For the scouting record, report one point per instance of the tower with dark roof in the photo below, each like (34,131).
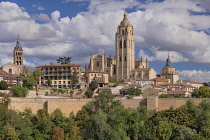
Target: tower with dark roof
(125,49)
(18,54)
(169,72)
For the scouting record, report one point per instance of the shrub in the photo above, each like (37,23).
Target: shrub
(46,94)
(89,94)
(19,91)
(3,85)
(164,96)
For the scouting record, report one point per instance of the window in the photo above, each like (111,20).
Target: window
(97,63)
(123,32)
(10,70)
(124,44)
(120,44)
(125,58)
(54,82)
(120,58)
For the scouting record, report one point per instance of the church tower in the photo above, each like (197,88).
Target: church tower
(125,50)
(18,55)
(169,72)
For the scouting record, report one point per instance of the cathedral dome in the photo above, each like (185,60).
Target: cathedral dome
(125,20)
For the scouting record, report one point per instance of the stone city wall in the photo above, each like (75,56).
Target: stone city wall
(69,105)
(166,103)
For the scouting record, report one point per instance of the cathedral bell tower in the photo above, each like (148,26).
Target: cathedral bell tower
(18,54)
(125,50)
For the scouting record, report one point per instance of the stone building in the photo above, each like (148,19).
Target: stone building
(61,74)
(101,77)
(169,72)
(11,79)
(123,65)
(17,66)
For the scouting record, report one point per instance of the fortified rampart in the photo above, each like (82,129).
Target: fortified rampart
(68,105)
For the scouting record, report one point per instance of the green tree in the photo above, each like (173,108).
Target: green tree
(75,78)
(9,133)
(89,94)
(58,134)
(64,60)
(5,101)
(49,82)
(132,91)
(202,92)
(93,85)
(3,85)
(20,91)
(164,96)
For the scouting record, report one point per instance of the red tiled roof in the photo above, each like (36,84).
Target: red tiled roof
(6,74)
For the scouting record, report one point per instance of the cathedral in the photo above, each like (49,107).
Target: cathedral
(124,65)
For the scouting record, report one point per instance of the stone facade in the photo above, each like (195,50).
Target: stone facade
(123,65)
(169,72)
(61,75)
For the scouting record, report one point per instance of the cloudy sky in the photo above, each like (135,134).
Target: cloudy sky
(73,28)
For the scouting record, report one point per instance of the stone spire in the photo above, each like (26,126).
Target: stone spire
(18,47)
(168,61)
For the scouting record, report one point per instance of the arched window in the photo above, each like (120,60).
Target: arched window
(120,44)
(97,63)
(10,70)
(124,44)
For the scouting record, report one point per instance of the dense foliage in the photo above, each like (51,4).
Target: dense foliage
(20,91)
(89,94)
(93,85)
(133,91)
(49,82)
(202,92)
(3,85)
(29,79)
(107,119)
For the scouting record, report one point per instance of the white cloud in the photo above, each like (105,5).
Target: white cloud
(67,1)
(42,17)
(162,56)
(193,75)
(162,27)
(40,8)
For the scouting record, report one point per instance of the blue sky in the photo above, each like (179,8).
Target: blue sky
(55,28)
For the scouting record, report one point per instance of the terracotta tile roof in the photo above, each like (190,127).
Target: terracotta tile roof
(6,74)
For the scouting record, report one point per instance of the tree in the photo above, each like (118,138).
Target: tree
(19,91)
(5,101)
(29,78)
(49,82)
(71,93)
(3,85)
(64,60)
(89,94)
(202,92)
(75,78)
(58,134)
(93,85)
(132,91)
